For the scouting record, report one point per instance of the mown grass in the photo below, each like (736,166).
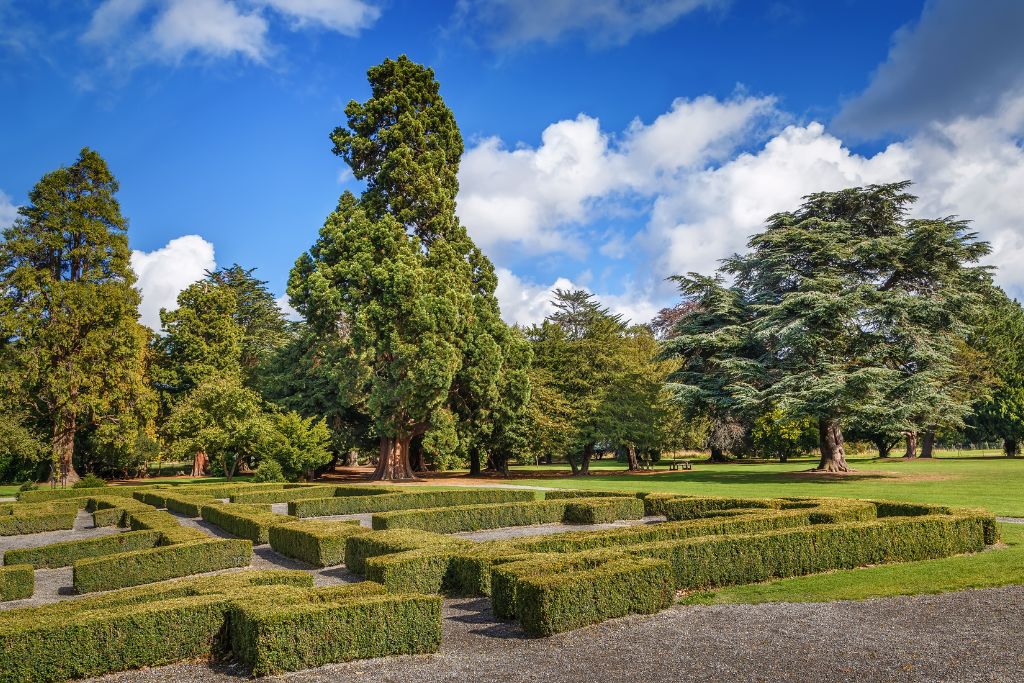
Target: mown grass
(994,483)
(1001,566)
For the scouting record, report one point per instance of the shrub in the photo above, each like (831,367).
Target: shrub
(284,495)
(65,553)
(89,481)
(492,516)
(273,638)
(190,506)
(359,548)
(268,470)
(34,519)
(348,504)
(321,544)
(28,486)
(159,564)
(114,511)
(248,521)
(43,495)
(17,581)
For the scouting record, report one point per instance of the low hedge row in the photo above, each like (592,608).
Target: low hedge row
(159,564)
(34,519)
(360,548)
(65,553)
(321,544)
(549,595)
(186,505)
(42,495)
(385,502)
(305,492)
(17,581)
(271,638)
(496,515)
(248,521)
(113,510)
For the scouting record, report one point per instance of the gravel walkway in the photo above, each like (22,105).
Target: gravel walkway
(541,529)
(955,637)
(1011,520)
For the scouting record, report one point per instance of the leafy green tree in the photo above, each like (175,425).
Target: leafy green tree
(257,315)
(998,335)
(301,446)
(223,419)
(777,435)
(202,338)
(847,312)
(70,316)
(21,448)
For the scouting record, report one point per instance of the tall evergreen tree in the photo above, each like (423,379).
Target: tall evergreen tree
(1000,415)
(70,318)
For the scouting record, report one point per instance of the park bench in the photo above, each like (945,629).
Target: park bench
(680,465)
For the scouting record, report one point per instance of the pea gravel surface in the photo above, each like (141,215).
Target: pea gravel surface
(969,636)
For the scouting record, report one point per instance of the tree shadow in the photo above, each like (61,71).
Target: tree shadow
(477,613)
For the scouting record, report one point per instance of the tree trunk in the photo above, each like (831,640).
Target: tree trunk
(394,459)
(634,463)
(911,445)
(717,454)
(199,464)
(588,453)
(416,460)
(883,446)
(64,429)
(1011,447)
(352,458)
(548,459)
(572,463)
(474,462)
(928,444)
(830,441)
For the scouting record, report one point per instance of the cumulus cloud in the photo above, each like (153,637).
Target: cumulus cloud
(511,23)
(286,308)
(958,59)
(164,272)
(534,196)
(8,211)
(134,31)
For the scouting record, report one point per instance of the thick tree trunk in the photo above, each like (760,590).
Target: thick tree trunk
(588,453)
(717,454)
(928,444)
(833,452)
(64,429)
(474,462)
(352,458)
(199,462)
(416,460)
(883,446)
(634,462)
(1011,447)
(394,459)
(911,451)
(572,463)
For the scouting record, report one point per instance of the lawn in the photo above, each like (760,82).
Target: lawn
(995,483)
(998,567)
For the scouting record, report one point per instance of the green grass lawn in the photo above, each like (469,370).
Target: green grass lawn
(1001,566)
(994,483)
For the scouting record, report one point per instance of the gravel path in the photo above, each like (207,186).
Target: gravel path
(541,529)
(955,637)
(1011,520)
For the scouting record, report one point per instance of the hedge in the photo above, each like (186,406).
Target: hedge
(158,564)
(113,510)
(65,553)
(272,638)
(550,595)
(248,521)
(321,544)
(492,516)
(189,506)
(17,581)
(42,495)
(361,547)
(34,519)
(286,495)
(386,502)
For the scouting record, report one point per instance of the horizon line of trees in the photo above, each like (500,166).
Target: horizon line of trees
(846,319)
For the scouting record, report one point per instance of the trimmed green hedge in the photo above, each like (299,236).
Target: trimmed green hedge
(493,516)
(158,564)
(42,495)
(273,638)
(361,547)
(113,510)
(386,502)
(186,505)
(34,519)
(321,544)
(65,553)
(285,495)
(17,581)
(248,521)
(554,594)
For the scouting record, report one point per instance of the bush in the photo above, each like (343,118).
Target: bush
(43,495)
(492,516)
(284,495)
(114,511)
(272,638)
(89,481)
(28,486)
(158,564)
(248,521)
(65,553)
(269,470)
(360,548)
(190,506)
(345,503)
(321,544)
(34,519)
(17,581)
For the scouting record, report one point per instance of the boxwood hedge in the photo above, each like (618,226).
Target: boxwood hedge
(36,518)
(17,581)
(65,553)
(321,544)
(383,502)
(41,495)
(158,564)
(248,521)
(298,493)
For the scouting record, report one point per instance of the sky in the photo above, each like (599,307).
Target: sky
(609,143)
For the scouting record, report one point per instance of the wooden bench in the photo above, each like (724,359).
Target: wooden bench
(680,464)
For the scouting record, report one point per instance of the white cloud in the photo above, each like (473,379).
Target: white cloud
(347,17)
(164,272)
(510,23)
(286,308)
(534,196)
(8,211)
(134,31)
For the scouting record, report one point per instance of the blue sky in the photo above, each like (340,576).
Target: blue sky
(610,143)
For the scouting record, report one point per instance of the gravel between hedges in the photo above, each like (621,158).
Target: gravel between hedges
(955,637)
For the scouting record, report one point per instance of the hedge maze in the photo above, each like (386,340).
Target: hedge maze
(138,590)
